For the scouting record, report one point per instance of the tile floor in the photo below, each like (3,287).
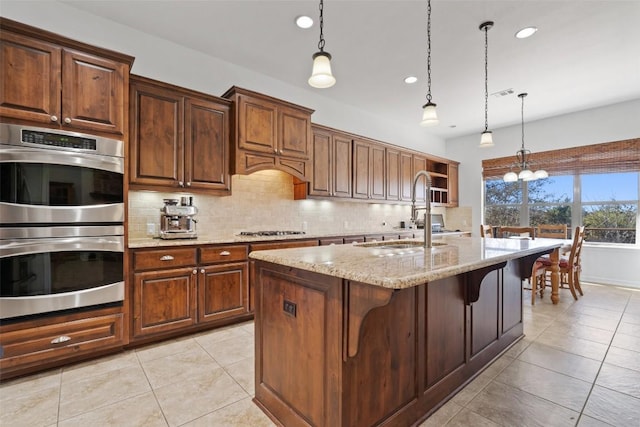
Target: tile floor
(579,364)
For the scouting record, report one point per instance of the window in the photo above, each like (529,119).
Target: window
(605,203)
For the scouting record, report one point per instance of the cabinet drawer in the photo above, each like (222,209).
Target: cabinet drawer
(213,254)
(32,345)
(164,258)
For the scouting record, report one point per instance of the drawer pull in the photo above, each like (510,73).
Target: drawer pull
(166,258)
(60,339)
(225,253)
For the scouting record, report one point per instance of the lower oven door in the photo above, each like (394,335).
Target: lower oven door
(50,274)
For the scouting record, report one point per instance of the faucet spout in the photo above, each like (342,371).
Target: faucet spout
(426,208)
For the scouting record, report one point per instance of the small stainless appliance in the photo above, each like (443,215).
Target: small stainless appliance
(177,222)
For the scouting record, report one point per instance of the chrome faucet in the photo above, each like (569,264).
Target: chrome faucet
(426,208)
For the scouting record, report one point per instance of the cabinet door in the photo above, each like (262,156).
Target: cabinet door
(206,143)
(30,87)
(406,176)
(223,291)
(321,183)
(93,92)
(164,300)
(294,133)
(419,164)
(156,153)
(257,125)
(377,172)
(361,169)
(393,174)
(342,166)
(452,180)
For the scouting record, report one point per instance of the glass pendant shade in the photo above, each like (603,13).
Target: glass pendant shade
(486,139)
(510,177)
(429,115)
(526,175)
(321,76)
(541,174)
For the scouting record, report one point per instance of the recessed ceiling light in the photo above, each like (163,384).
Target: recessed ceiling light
(410,79)
(526,32)
(304,22)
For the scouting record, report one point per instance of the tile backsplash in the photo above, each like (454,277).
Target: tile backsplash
(264,201)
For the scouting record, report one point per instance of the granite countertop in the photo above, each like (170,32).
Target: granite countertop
(405,267)
(226,238)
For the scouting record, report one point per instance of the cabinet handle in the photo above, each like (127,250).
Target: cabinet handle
(60,339)
(54,118)
(67,120)
(166,258)
(275,150)
(202,270)
(225,253)
(180,184)
(188,183)
(195,271)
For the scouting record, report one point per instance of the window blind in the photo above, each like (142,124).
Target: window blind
(609,157)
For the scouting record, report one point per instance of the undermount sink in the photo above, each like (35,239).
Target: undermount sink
(398,244)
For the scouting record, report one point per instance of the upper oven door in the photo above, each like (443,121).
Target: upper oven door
(42,185)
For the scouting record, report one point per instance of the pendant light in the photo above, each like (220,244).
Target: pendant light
(429,115)
(321,76)
(523,162)
(486,139)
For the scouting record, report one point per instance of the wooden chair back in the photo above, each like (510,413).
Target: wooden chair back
(552,231)
(573,262)
(517,231)
(486,230)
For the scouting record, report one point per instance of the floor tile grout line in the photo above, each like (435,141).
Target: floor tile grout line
(593,385)
(144,372)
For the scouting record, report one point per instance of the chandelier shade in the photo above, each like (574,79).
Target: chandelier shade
(523,161)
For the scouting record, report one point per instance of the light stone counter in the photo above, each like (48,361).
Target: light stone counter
(404,268)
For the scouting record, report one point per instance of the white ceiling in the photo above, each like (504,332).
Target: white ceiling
(585,54)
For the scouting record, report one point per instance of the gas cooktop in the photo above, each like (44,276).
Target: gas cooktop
(270,233)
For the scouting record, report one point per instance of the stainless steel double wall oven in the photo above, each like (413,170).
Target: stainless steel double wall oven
(61,221)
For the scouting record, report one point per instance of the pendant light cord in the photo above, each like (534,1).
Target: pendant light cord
(486,78)
(321,42)
(429,51)
(522,95)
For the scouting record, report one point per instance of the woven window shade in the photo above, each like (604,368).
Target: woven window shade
(610,157)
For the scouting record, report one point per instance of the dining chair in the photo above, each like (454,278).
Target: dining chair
(517,232)
(569,269)
(486,230)
(552,231)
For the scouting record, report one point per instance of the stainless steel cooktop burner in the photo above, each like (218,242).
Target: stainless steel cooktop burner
(270,233)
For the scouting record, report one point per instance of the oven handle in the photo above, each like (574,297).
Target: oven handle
(10,248)
(12,154)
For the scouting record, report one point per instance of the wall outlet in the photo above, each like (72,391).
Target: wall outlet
(151,229)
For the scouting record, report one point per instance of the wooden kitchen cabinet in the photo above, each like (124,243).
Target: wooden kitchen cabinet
(33,345)
(392,174)
(179,139)
(332,163)
(368,170)
(452,175)
(185,289)
(269,134)
(52,81)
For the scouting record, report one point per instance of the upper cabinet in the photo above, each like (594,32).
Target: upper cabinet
(331,168)
(179,139)
(269,134)
(53,81)
(369,168)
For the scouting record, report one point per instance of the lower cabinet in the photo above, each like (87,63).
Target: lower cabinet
(178,289)
(35,345)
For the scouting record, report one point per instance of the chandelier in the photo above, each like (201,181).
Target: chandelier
(429,115)
(522,156)
(321,76)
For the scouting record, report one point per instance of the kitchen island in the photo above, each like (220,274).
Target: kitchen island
(383,333)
